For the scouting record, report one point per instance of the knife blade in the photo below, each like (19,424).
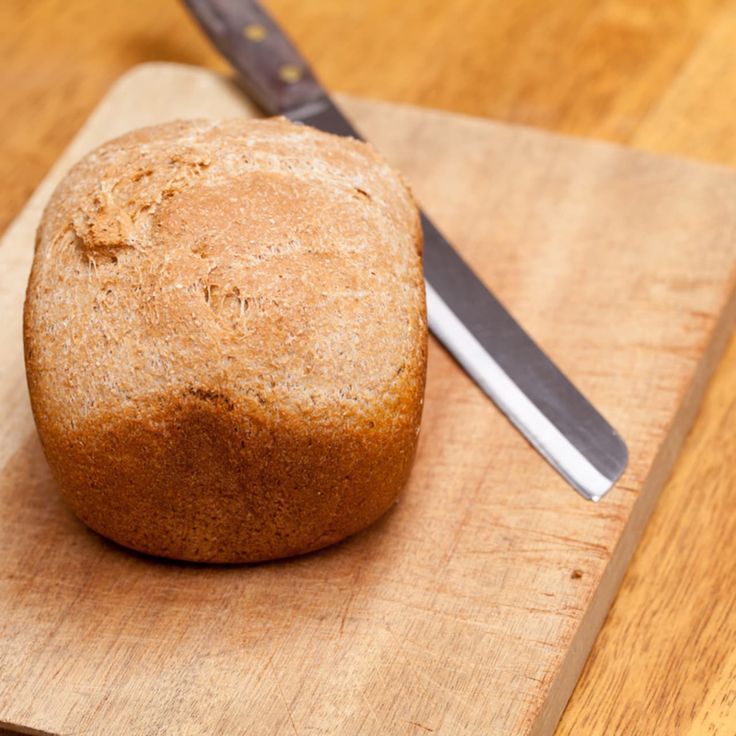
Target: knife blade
(463,314)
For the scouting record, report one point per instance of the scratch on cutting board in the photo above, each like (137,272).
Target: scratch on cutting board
(349,601)
(421,725)
(424,677)
(269,665)
(467,513)
(372,710)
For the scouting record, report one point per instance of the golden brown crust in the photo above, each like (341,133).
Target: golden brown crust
(226,338)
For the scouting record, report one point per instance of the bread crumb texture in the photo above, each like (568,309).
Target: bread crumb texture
(225,338)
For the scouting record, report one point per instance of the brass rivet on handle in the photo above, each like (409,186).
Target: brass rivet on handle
(254,32)
(290,73)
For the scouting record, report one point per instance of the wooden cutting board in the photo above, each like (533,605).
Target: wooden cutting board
(470,608)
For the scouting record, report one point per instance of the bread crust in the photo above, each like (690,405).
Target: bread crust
(225,339)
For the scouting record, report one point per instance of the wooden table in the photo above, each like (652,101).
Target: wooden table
(655,75)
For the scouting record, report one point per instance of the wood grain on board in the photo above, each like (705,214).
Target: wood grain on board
(661,76)
(471,607)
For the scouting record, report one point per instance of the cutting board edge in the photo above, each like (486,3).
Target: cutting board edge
(541,133)
(600,603)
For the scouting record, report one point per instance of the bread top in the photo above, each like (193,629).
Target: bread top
(263,262)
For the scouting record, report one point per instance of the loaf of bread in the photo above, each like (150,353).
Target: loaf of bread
(225,338)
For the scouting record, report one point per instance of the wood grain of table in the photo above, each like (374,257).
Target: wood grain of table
(656,75)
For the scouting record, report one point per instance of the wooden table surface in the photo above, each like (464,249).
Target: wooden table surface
(656,75)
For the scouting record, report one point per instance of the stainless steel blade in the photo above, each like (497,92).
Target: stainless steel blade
(463,314)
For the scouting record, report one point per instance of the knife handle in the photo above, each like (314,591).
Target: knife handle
(270,68)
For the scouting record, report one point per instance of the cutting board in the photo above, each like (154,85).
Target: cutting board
(470,607)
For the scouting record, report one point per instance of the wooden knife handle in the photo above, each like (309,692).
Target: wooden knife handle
(270,68)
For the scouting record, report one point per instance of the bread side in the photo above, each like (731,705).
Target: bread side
(226,338)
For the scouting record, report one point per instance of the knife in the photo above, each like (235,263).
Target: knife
(462,313)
